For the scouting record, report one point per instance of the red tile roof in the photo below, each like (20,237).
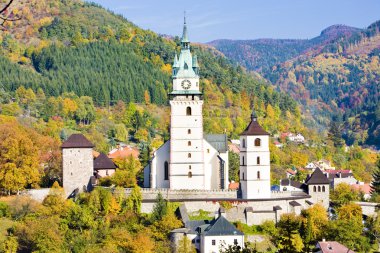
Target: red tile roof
(333,247)
(233,186)
(365,188)
(124,152)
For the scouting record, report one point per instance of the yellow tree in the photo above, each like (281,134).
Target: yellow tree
(19,160)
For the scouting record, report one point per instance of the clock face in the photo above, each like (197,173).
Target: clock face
(186,84)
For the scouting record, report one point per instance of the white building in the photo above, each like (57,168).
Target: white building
(190,159)
(254,161)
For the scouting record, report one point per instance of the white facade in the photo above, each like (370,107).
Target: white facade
(254,162)
(213,244)
(187,161)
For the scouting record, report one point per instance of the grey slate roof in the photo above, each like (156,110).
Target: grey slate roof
(218,141)
(287,182)
(77,141)
(221,226)
(294,203)
(317,178)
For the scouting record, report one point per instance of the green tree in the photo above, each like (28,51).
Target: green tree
(160,208)
(289,239)
(343,194)
(135,199)
(185,246)
(375,186)
(335,134)
(233,166)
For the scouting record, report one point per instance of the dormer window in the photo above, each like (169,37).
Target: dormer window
(186,66)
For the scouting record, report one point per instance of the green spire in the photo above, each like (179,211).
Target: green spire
(175,65)
(185,37)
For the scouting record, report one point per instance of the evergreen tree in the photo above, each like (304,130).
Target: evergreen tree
(160,208)
(375,186)
(335,134)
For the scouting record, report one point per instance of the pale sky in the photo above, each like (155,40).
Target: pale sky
(245,19)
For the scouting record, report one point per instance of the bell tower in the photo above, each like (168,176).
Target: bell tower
(254,161)
(186,165)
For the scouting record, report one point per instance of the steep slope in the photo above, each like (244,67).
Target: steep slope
(262,54)
(333,75)
(74,46)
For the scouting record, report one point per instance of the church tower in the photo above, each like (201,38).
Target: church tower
(254,161)
(186,167)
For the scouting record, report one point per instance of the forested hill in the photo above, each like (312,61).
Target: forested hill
(77,46)
(335,76)
(262,54)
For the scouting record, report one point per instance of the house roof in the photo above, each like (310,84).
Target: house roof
(103,162)
(317,178)
(254,128)
(77,141)
(365,188)
(221,226)
(234,148)
(123,152)
(218,141)
(333,247)
(233,186)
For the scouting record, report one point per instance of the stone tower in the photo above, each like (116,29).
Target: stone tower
(186,167)
(254,161)
(318,187)
(78,163)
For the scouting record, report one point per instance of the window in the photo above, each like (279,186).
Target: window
(315,188)
(258,175)
(208,150)
(235,241)
(258,160)
(189,143)
(188,131)
(213,242)
(257,142)
(323,189)
(285,189)
(189,155)
(243,143)
(189,175)
(243,160)
(186,66)
(319,188)
(107,172)
(192,97)
(243,175)
(166,170)
(188,111)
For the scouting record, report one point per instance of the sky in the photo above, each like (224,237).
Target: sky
(245,19)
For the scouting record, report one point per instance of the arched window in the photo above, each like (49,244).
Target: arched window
(243,159)
(243,143)
(166,170)
(315,188)
(323,189)
(257,142)
(189,155)
(189,167)
(186,66)
(188,131)
(189,175)
(319,188)
(258,175)
(258,160)
(189,143)
(188,111)
(243,175)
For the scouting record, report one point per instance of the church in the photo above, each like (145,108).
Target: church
(190,159)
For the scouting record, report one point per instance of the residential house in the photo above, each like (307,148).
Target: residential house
(123,151)
(103,166)
(340,176)
(332,247)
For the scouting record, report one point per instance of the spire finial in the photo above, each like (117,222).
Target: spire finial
(253,115)
(184,17)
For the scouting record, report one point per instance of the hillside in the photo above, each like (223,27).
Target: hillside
(335,76)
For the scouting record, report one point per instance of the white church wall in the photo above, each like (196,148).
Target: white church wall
(161,156)
(183,145)
(211,166)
